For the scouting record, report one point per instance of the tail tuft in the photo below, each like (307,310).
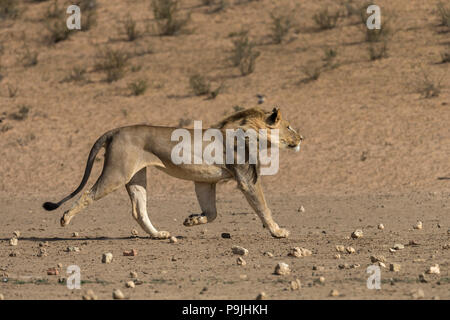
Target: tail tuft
(49,206)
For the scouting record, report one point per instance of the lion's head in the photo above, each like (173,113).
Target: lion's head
(256,118)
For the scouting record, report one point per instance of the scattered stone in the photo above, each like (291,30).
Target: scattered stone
(130,284)
(381,226)
(350,250)
(75,235)
(239,250)
(321,280)
(417,294)
(382,264)
(395,267)
(226,235)
(130,253)
(2,297)
(392,250)
(434,269)
(13,242)
(59,265)
(299,252)
(240,261)
(52,272)
(418,225)
(44,244)
(337,256)
(134,233)
(399,246)
(133,274)
(295,285)
(301,209)
(446,246)
(340,248)
(355,266)
(413,243)
(107,257)
(42,252)
(282,269)
(16,234)
(173,239)
(118,295)
(14,254)
(90,295)
(318,268)
(268,254)
(334,293)
(357,234)
(72,249)
(261,296)
(344,266)
(377,258)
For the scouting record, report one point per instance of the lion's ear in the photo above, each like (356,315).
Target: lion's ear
(275,117)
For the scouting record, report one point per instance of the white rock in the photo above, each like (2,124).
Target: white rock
(13,242)
(299,252)
(434,269)
(394,267)
(377,258)
(381,226)
(268,254)
(334,293)
(357,234)
(240,261)
(261,296)
(134,233)
(239,250)
(418,225)
(295,284)
(2,297)
(107,257)
(399,246)
(118,295)
(282,269)
(133,274)
(350,250)
(16,234)
(130,284)
(173,239)
(321,279)
(340,248)
(301,209)
(337,256)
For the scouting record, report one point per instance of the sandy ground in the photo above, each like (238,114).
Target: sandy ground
(375,151)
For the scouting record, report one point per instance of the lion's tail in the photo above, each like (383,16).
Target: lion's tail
(49,206)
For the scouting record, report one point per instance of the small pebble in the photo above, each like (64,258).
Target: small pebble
(16,234)
(377,258)
(107,257)
(130,284)
(434,269)
(240,261)
(130,253)
(75,235)
(13,242)
(59,265)
(243,277)
(321,280)
(340,248)
(337,256)
(395,267)
(134,233)
(90,295)
(239,250)
(350,250)
(299,252)
(318,268)
(173,239)
(261,296)
(355,266)
(357,234)
(381,226)
(282,269)
(418,225)
(334,293)
(301,209)
(268,254)
(133,274)
(399,246)
(295,284)
(118,295)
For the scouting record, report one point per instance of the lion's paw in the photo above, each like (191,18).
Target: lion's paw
(280,233)
(161,235)
(195,219)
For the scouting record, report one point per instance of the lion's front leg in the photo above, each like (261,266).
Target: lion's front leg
(206,195)
(253,193)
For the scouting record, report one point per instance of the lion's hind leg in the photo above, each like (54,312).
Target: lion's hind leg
(138,194)
(206,195)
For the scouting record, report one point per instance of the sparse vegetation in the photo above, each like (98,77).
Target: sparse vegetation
(378,50)
(444,14)
(377,35)
(8,9)
(89,13)
(281,24)
(244,56)
(129,26)
(57,29)
(138,87)
(167,16)
(112,62)
(199,85)
(427,86)
(325,19)
(312,72)
(29,58)
(21,114)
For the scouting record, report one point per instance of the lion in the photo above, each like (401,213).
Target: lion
(130,150)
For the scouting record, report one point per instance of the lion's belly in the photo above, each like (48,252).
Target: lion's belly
(196,172)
